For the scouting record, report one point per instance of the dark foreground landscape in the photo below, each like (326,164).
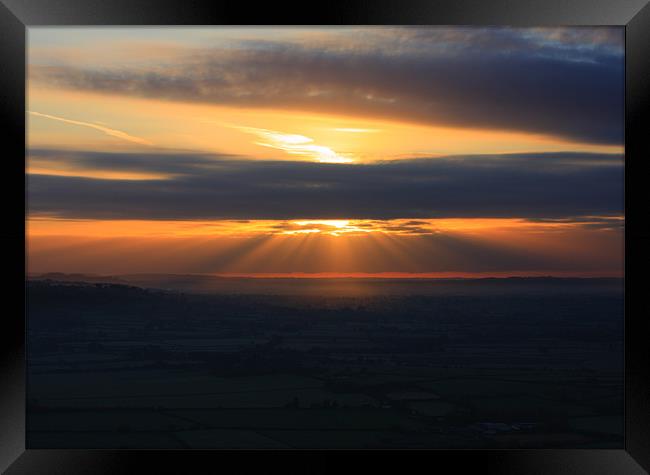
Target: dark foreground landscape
(315,363)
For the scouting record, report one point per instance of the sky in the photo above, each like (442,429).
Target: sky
(317,151)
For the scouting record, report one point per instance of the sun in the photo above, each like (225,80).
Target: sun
(332,227)
(337,223)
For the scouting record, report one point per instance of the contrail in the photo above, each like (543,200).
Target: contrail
(112,132)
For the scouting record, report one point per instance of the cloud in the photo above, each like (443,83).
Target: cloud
(202,186)
(575,43)
(108,131)
(295,144)
(587,222)
(565,82)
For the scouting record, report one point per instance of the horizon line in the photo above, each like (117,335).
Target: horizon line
(357,275)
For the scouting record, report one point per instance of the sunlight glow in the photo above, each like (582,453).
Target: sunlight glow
(296,144)
(97,174)
(476,227)
(396,248)
(334,227)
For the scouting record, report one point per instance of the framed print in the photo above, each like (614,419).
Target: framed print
(415,227)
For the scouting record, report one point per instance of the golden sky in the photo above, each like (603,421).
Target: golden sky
(426,151)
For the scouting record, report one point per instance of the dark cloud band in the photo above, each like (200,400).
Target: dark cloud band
(548,186)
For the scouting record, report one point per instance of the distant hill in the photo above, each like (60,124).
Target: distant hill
(348,286)
(62,277)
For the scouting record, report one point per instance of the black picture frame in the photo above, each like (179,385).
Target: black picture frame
(17,15)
